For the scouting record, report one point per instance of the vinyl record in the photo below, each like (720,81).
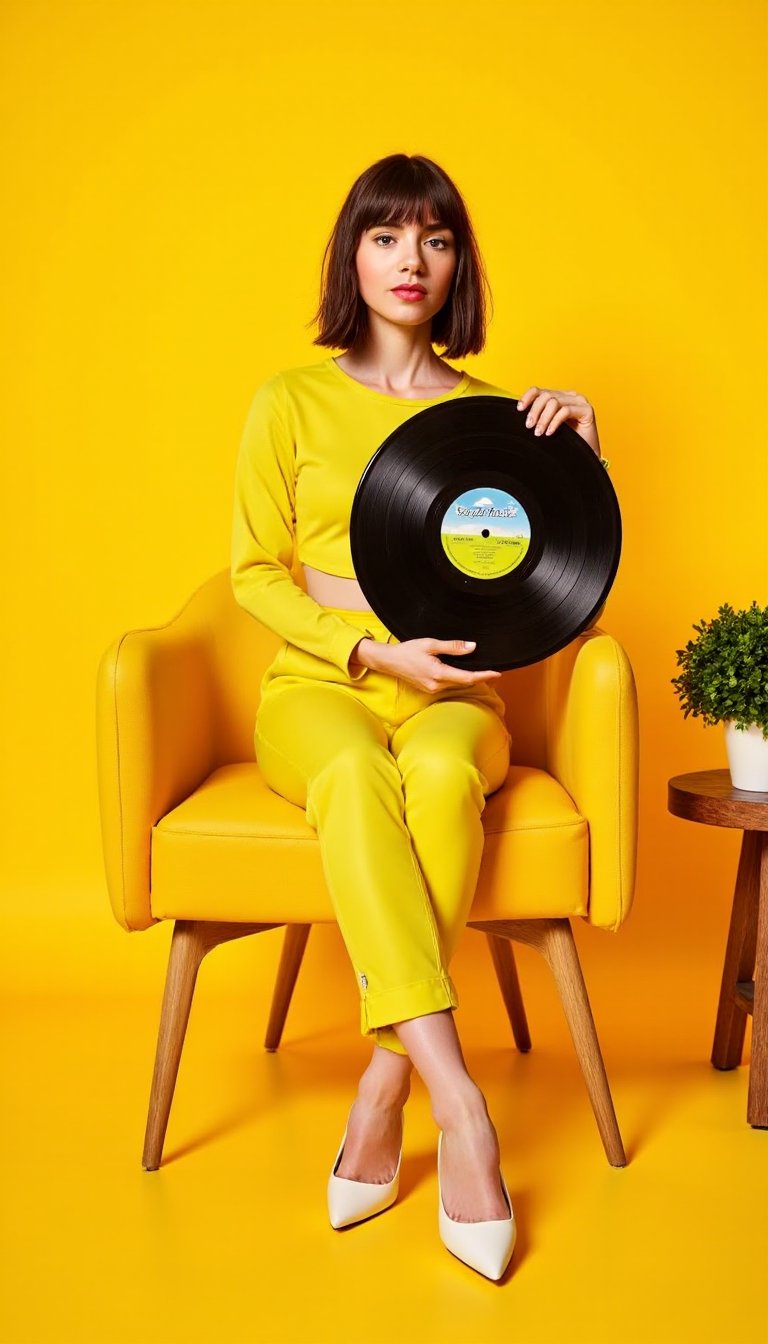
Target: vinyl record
(466,525)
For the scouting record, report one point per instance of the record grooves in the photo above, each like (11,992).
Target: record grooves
(465,525)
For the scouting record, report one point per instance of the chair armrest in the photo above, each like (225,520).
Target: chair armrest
(154,746)
(592,749)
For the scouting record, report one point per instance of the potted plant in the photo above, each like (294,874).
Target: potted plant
(724,679)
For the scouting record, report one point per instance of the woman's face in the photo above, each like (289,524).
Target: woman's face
(389,255)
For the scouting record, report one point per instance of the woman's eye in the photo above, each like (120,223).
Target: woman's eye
(443,244)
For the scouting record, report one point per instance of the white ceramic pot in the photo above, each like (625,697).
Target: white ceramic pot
(747,757)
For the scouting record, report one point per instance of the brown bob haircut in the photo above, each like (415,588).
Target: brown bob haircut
(396,190)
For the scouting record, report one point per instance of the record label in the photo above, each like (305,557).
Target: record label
(485,532)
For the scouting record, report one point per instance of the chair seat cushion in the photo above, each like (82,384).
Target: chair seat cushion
(235,850)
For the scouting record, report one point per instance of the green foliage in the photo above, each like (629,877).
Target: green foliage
(725,670)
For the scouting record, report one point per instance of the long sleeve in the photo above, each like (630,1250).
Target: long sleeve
(263,537)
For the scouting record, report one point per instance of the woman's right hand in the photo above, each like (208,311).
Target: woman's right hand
(417,661)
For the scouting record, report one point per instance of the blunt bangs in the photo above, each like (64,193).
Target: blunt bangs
(398,203)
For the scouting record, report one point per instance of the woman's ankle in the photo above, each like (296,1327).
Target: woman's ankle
(385,1093)
(464,1105)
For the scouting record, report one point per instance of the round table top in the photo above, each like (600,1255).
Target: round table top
(709,796)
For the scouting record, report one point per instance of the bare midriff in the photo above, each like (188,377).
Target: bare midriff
(330,590)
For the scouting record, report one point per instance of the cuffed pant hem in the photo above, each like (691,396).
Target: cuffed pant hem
(404,1001)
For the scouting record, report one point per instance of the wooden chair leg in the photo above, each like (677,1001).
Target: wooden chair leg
(191,940)
(553,938)
(559,949)
(509,984)
(294,943)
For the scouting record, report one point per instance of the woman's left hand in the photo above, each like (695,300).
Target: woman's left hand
(547,408)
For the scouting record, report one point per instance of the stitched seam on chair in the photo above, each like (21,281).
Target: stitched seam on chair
(311,840)
(226,835)
(555,826)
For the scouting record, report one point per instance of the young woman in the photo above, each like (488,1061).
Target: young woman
(391,751)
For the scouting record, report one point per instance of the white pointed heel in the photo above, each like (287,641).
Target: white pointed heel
(486,1246)
(350,1201)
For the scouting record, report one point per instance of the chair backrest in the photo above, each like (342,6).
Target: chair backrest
(241,649)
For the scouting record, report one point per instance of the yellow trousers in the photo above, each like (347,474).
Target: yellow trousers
(393,779)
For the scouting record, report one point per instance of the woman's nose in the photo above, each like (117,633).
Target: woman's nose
(412,258)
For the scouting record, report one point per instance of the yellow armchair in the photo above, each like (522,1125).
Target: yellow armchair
(191,833)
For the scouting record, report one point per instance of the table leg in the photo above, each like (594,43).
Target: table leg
(739,956)
(746,956)
(757,1102)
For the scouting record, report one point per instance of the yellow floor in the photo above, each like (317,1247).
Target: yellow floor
(229,1240)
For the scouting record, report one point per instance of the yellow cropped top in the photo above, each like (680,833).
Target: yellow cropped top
(308,435)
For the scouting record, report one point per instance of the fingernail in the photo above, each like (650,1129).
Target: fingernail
(468,643)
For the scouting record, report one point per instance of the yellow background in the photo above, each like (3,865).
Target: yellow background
(172,171)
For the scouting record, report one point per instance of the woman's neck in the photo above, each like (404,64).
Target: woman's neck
(425,376)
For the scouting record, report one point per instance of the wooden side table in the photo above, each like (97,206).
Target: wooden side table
(708,796)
